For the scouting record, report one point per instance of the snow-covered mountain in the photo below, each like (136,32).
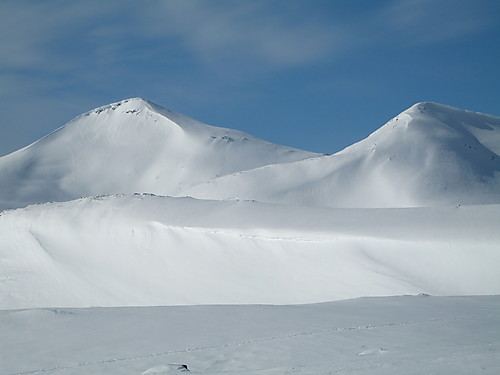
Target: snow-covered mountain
(127,147)
(430,154)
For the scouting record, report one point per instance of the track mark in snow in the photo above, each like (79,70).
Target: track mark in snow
(249,342)
(315,237)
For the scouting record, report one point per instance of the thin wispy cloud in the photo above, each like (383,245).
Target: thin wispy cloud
(59,35)
(45,35)
(432,22)
(214,31)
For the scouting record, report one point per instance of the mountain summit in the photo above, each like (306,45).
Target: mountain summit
(126,147)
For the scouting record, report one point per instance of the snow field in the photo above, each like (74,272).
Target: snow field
(410,335)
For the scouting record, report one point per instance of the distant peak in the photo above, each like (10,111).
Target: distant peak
(138,100)
(426,105)
(131,105)
(435,107)
(131,101)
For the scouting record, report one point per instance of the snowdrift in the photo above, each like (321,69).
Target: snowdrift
(149,250)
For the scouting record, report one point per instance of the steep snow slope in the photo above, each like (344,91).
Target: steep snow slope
(126,147)
(368,336)
(149,250)
(430,154)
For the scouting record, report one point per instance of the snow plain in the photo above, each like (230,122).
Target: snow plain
(412,210)
(409,335)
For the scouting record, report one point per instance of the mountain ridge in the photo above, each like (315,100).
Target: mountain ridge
(428,154)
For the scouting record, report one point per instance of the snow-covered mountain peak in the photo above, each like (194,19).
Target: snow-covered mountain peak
(130,146)
(126,103)
(144,113)
(139,107)
(437,123)
(429,154)
(456,118)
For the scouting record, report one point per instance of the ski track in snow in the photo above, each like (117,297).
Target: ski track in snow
(253,341)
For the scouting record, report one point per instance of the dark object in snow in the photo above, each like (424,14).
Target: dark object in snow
(164,369)
(180,367)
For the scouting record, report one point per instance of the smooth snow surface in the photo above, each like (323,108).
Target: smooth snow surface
(151,250)
(373,336)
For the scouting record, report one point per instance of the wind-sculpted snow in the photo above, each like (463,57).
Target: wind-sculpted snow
(151,250)
(126,147)
(428,155)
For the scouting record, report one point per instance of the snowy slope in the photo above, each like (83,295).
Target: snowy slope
(126,147)
(151,250)
(371,336)
(428,155)
(127,249)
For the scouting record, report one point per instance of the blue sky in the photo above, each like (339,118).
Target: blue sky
(312,74)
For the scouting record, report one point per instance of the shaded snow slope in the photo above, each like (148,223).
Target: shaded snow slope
(430,154)
(150,250)
(368,336)
(126,147)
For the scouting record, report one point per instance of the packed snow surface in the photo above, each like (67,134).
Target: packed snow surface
(369,336)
